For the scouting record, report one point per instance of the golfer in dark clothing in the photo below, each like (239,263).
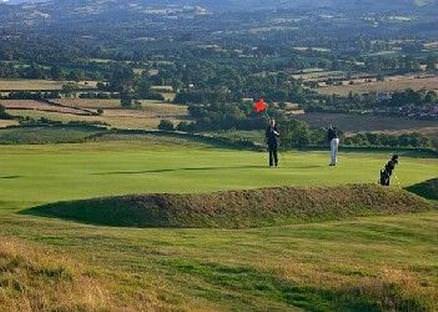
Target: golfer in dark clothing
(272,135)
(333,139)
(386,173)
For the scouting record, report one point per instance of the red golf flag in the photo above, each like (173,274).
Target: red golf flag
(260,106)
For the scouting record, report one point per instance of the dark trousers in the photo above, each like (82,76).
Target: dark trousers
(385,178)
(273,156)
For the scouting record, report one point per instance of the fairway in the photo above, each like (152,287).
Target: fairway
(352,265)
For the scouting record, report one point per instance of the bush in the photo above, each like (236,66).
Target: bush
(126,102)
(154,96)
(185,126)
(4,114)
(412,140)
(166,125)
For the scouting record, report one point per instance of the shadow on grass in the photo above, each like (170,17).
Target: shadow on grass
(427,189)
(194,169)
(10,177)
(307,167)
(164,170)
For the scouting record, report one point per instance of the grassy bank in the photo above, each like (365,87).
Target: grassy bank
(367,264)
(238,209)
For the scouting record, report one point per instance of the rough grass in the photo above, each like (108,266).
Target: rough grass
(44,135)
(34,280)
(427,189)
(391,290)
(384,263)
(238,209)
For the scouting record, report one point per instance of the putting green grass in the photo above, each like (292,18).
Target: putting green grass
(384,263)
(39,174)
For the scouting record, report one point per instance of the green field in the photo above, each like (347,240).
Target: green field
(364,264)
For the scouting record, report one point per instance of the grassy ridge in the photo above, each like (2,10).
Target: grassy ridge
(237,209)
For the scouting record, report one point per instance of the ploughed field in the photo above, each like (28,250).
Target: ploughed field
(147,115)
(386,261)
(39,84)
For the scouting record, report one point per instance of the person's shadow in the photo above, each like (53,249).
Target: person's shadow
(194,169)
(10,177)
(165,170)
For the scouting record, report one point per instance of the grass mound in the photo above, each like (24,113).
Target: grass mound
(237,209)
(34,280)
(427,189)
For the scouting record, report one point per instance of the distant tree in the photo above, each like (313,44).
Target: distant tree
(295,133)
(431,63)
(69,88)
(35,72)
(56,73)
(282,105)
(121,78)
(380,77)
(431,97)
(3,113)
(75,75)
(142,88)
(125,100)
(101,86)
(185,126)
(166,125)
